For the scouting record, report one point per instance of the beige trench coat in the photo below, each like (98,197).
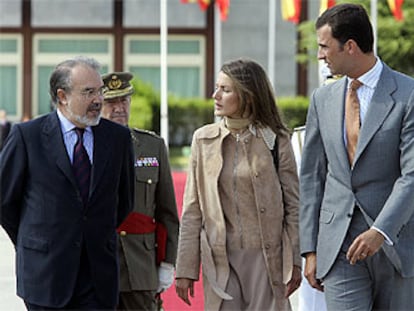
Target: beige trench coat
(203,231)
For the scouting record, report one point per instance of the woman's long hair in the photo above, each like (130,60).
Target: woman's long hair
(255,93)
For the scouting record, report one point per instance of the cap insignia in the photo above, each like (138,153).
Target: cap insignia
(115,83)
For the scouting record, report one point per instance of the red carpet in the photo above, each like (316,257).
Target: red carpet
(171,301)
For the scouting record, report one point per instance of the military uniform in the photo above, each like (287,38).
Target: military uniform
(154,197)
(148,237)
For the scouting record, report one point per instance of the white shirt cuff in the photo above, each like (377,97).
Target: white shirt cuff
(387,238)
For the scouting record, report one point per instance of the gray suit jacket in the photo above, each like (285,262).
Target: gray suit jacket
(381,182)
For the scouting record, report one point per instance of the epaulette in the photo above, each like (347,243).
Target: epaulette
(142,131)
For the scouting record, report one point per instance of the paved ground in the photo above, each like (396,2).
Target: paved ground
(8,299)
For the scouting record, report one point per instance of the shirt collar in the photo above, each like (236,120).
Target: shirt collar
(267,134)
(66,125)
(371,77)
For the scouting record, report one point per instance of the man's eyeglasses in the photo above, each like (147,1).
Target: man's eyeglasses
(90,93)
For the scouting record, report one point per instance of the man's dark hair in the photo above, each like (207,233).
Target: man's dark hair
(349,21)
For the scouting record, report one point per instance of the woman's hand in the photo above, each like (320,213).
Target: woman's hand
(182,286)
(294,282)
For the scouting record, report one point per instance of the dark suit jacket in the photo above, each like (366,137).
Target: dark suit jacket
(42,210)
(4,131)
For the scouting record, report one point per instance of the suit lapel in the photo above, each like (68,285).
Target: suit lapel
(379,108)
(101,153)
(137,146)
(336,110)
(55,146)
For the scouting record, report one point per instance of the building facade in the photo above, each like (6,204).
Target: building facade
(123,35)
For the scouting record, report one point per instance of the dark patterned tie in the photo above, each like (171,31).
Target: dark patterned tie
(81,166)
(352,119)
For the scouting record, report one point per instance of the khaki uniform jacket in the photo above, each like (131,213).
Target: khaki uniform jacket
(154,197)
(203,230)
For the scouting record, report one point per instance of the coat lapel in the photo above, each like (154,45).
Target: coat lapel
(336,111)
(379,108)
(101,153)
(137,146)
(55,146)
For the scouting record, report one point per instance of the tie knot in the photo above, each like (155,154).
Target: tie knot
(79,131)
(355,84)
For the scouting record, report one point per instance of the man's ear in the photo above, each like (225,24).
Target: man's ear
(351,46)
(61,95)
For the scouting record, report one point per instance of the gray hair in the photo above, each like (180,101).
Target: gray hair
(61,75)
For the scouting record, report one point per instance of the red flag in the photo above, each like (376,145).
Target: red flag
(326,4)
(224,6)
(396,9)
(202,3)
(291,10)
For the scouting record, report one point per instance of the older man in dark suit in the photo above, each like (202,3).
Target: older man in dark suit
(66,184)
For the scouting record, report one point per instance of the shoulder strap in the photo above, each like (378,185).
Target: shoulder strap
(275,155)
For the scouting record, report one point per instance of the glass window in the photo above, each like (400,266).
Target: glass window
(10,75)
(53,49)
(10,13)
(73,46)
(186,63)
(146,13)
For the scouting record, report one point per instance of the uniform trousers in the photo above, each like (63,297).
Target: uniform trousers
(138,300)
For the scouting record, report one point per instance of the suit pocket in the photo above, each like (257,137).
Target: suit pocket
(146,184)
(326,216)
(35,244)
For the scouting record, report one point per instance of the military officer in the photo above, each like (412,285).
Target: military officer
(148,237)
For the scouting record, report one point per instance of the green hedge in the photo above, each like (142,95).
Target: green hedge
(185,115)
(293,110)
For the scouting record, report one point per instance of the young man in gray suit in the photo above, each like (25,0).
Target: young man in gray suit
(66,183)
(357,206)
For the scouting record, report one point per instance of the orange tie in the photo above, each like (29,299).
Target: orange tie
(352,119)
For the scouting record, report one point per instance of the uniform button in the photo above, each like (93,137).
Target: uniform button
(262,210)
(274,283)
(149,181)
(267,246)
(153,221)
(349,215)
(256,174)
(246,141)
(122,233)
